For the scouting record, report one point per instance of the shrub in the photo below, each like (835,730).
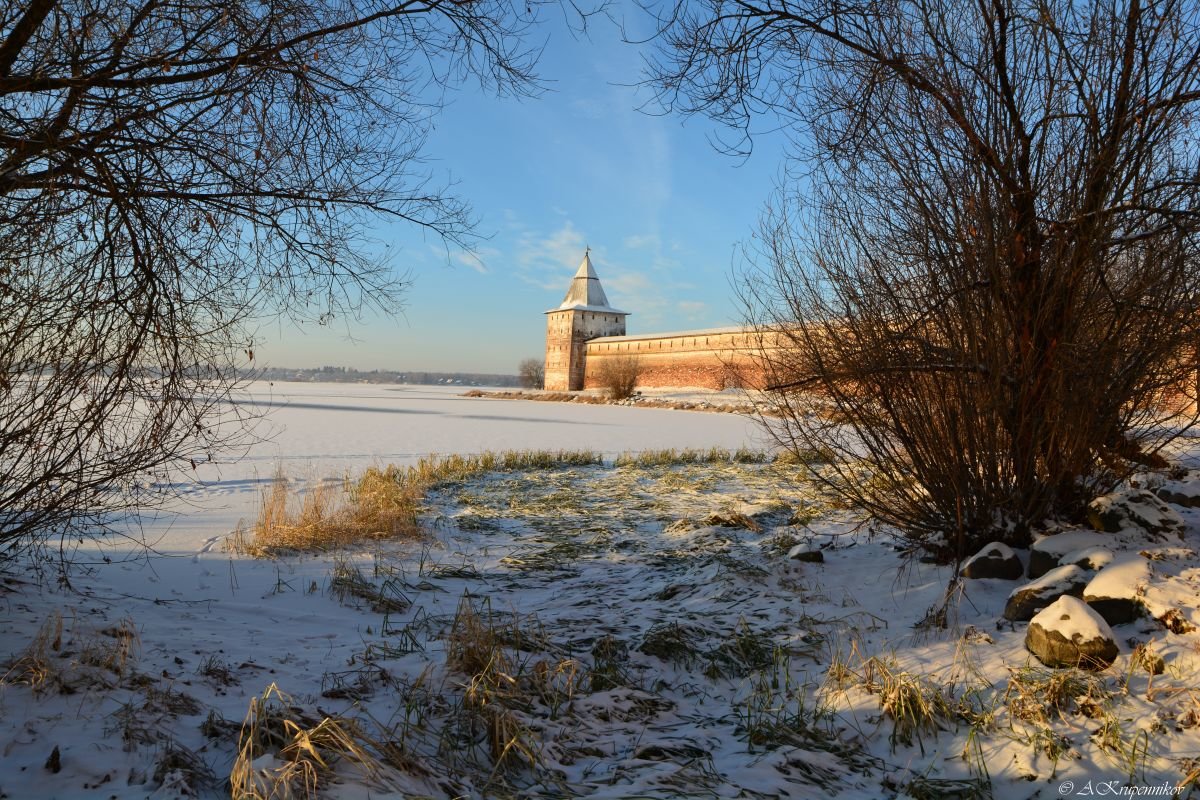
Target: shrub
(619,376)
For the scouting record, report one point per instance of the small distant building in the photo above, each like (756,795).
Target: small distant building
(584,331)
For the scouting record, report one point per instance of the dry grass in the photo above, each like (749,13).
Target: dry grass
(381,504)
(915,705)
(112,649)
(305,754)
(671,457)
(504,685)
(56,661)
(35,667)
(1041,696)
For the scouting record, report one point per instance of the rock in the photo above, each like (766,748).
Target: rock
(1181,487)
(1134,508)
(1068,633)
(1093,558)
(1116,591)
(807,551)
(996,560)
(976,636)
(1027,600)
(54,762)
(1179,498)
(1046,553)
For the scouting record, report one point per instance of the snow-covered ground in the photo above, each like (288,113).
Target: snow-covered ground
(648,634)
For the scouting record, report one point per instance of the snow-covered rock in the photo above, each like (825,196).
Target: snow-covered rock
(1068,633)
(996,560)
(1181,489)
(1135,508)
(1115,593)
(806,551)
(1046,553)
(1027,600)
(1093,558)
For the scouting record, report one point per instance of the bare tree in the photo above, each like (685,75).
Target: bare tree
(986,268)
(172,172)
(532,373)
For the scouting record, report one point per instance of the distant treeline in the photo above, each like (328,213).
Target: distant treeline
(351,375)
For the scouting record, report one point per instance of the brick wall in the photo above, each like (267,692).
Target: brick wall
(716,359)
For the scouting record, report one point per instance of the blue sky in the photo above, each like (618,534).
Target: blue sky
(579,165)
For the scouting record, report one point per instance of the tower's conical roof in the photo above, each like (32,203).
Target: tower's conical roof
(586,293)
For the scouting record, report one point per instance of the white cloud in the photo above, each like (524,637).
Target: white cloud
(549,260)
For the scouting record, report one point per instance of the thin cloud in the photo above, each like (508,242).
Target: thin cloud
(477,259)
(548,260)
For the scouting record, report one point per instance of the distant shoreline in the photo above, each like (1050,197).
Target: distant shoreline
(380,376)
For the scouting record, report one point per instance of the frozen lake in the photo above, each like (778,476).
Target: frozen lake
(313,431)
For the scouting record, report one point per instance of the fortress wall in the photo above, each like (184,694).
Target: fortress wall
(713,359)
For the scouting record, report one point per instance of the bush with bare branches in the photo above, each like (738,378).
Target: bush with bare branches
(989,274)
(618,375)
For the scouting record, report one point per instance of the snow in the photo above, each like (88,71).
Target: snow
(1056,580)
(994,550)
(1072,618)
(1126,577)
(802,549)
(1060,544)
(570,556)
(1095,557)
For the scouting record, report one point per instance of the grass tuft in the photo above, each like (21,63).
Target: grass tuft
(503,686)
(35,667)
(916,706)
(304,753)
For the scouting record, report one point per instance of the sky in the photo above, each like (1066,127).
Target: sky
(580,165)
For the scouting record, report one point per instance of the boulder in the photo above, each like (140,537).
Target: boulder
(1116,591)
(1136,508)
(1027,600)
(1068,633)
(1093,558)
(807,551)
(1046,553)
(1181,488)
(1172,494)
(996,560)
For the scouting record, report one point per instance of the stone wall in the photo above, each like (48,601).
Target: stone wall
(721,358)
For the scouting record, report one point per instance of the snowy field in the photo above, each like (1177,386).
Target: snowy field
(602,631)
